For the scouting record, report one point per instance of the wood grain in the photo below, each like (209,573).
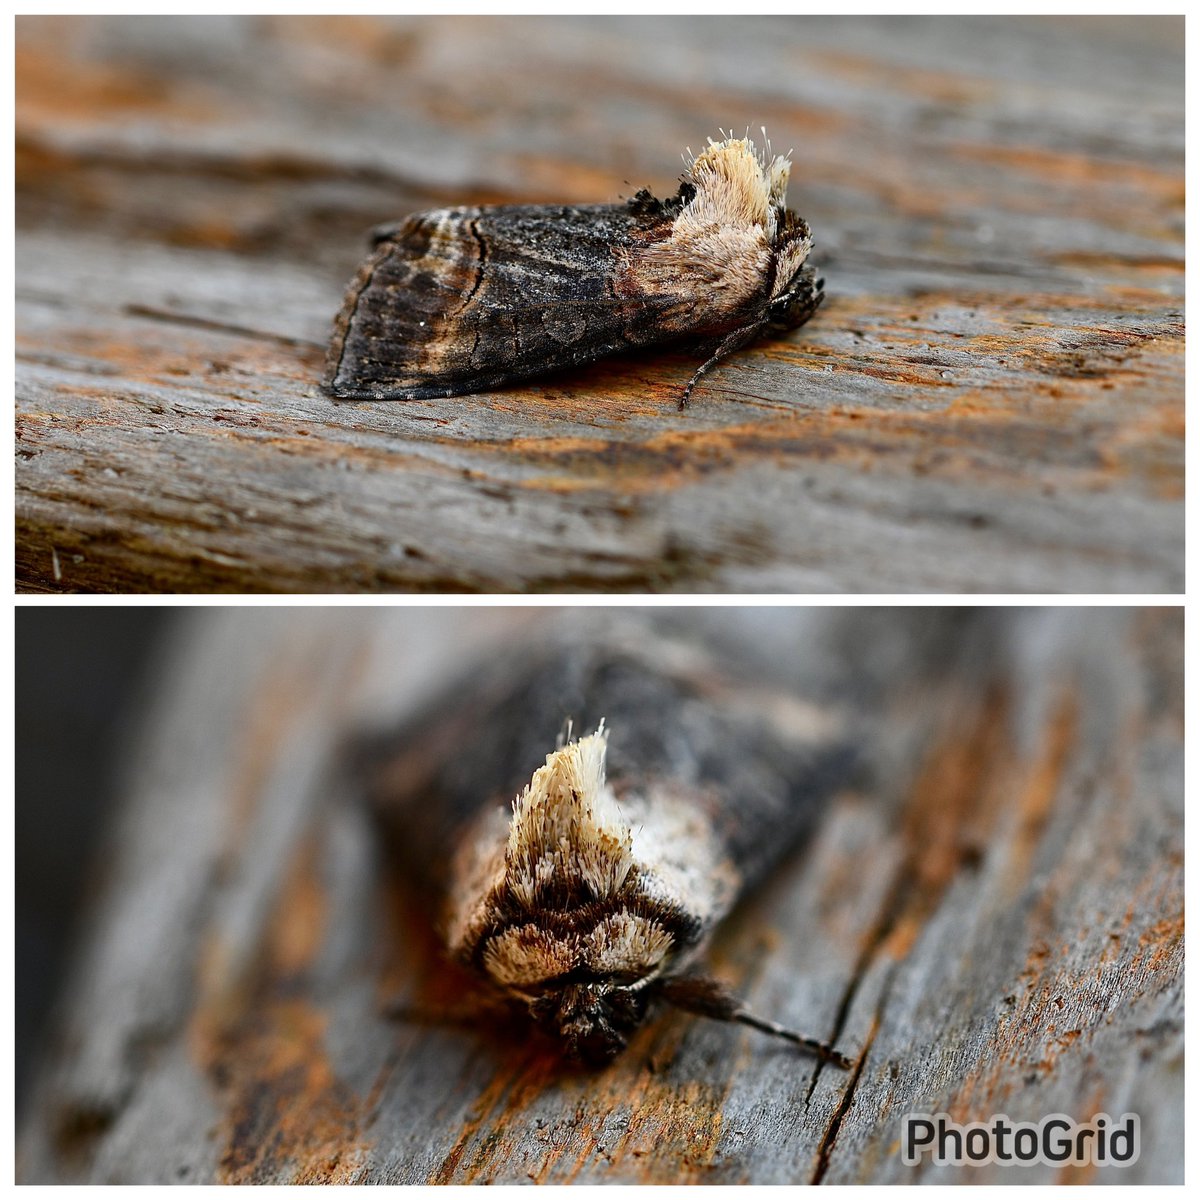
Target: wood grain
(990,921)
(991,399)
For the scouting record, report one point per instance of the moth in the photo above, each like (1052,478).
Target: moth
(588,902)
(462,300)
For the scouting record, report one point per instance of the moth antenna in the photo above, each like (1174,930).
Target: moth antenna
(818,1049)
(691,383)
(731,342)
(708,997)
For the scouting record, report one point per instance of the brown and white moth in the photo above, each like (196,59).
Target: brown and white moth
(586,910)
(461,300)
(591,900)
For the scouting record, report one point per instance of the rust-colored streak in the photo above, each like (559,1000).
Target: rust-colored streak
(1163,943)
(1042,786)
(298,929)
(677,1134)
(947,87)
(269,716)
(373,40)
(288,1117)
(956,798)
(1043,1019)
(995,425)
(1061,1000)
(627,1118)
(1083,1173)
(1094,177)
(49,92)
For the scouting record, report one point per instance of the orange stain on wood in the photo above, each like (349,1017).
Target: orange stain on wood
(1079,170)
(661,1132)
(1164,942)
(627,1113)
(50,92)
(1057,1009)
(1042,786)
(288,1117)
(956,798)
(873,72)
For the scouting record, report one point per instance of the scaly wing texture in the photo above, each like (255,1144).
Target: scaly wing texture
(459,300)
(463,299)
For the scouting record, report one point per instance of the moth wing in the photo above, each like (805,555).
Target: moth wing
(460,300)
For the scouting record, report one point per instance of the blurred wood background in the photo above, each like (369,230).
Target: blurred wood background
(991,399)
(990,919)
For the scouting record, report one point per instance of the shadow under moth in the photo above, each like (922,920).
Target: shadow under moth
(589,900)
(462,300)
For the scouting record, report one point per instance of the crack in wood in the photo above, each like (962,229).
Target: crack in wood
(196,322)
(825,1149)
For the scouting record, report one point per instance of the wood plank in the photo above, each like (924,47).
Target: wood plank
(990,920)
(991,399)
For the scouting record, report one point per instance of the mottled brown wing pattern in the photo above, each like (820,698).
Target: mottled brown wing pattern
(460,300)
(464,299)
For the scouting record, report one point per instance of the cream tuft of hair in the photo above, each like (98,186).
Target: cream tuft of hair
(737,185)
(622,941)
(724,244)
(566,823)
(566,829)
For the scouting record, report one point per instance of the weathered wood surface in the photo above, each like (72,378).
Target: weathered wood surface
(991,399)
(989,921)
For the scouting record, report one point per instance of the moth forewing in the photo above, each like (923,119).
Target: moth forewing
(460,300)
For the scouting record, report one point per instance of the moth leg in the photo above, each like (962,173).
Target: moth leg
(727,345)
(797,305)
(707,997)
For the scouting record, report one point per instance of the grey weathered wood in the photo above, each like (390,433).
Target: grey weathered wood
(991,921)
(992,398)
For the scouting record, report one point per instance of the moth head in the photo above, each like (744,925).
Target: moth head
(794,305)
(575,944)
(791,301)
(593,1019)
